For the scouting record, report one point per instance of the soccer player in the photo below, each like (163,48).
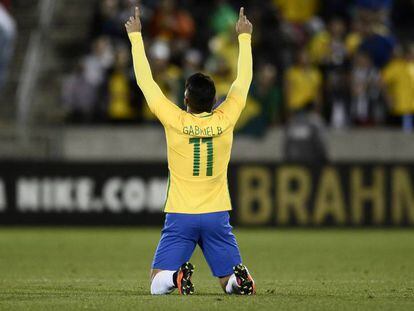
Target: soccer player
(199,144)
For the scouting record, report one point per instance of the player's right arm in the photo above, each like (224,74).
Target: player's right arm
(237,96)
(157,102)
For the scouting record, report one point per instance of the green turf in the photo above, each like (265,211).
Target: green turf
(107,269)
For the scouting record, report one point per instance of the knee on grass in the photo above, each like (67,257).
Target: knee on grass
(229,284)
(239,283)
(162,282)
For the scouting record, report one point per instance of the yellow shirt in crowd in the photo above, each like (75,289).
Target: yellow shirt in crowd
(297,11)
(320,47)
(398,76)
(119,97)
(199,145)
(304,85)
(352,42)
(168,82)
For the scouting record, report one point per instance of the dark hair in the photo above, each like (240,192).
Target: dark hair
(201,93)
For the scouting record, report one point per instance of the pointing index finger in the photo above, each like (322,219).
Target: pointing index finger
(137,12)
(241,14)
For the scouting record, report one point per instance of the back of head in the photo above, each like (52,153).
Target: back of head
(200,93)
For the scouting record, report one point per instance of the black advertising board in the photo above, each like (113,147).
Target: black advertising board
(263,194)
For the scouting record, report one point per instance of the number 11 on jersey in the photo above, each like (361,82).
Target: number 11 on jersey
(197,150)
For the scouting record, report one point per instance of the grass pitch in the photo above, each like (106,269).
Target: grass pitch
(107,269)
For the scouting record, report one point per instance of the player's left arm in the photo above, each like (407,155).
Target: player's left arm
(157,101)
(237,96)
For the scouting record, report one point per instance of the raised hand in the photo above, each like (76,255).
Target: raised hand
(134,23)
(243,24)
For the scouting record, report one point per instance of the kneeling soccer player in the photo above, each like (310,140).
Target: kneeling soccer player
(199,144)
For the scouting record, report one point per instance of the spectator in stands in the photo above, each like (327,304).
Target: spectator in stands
(337,102)
(88,79)
(298,11)
(354,37)
(171,23)
(335,71)
(224,46)
(379,47)
(303,84)
(298,18)
(328,50)
(305,137)
(78,97)
(165,73)
(223,18)
(328,47)
(398,77)
(267,91)
(121,88)
(266,48)
(106,21)
(365,91)
(8,31)
(376,10)
(98,61)
(221,64)
(264,107)
(377,40)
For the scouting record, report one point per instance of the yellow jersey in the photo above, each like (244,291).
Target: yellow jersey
(398,76)
(199,145)
(297,11)
(304,86)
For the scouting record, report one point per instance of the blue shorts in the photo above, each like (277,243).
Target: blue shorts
(212,232)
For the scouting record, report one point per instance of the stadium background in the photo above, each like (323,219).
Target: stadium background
(326,141)
(333,96)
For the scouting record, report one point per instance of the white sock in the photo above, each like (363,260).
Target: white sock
(231,284)
(162,283)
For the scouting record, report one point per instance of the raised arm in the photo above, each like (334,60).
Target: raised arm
(149,87)
(236,98)
(245,63)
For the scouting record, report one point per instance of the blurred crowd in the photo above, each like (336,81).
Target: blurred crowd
(8,32)
(348,63)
